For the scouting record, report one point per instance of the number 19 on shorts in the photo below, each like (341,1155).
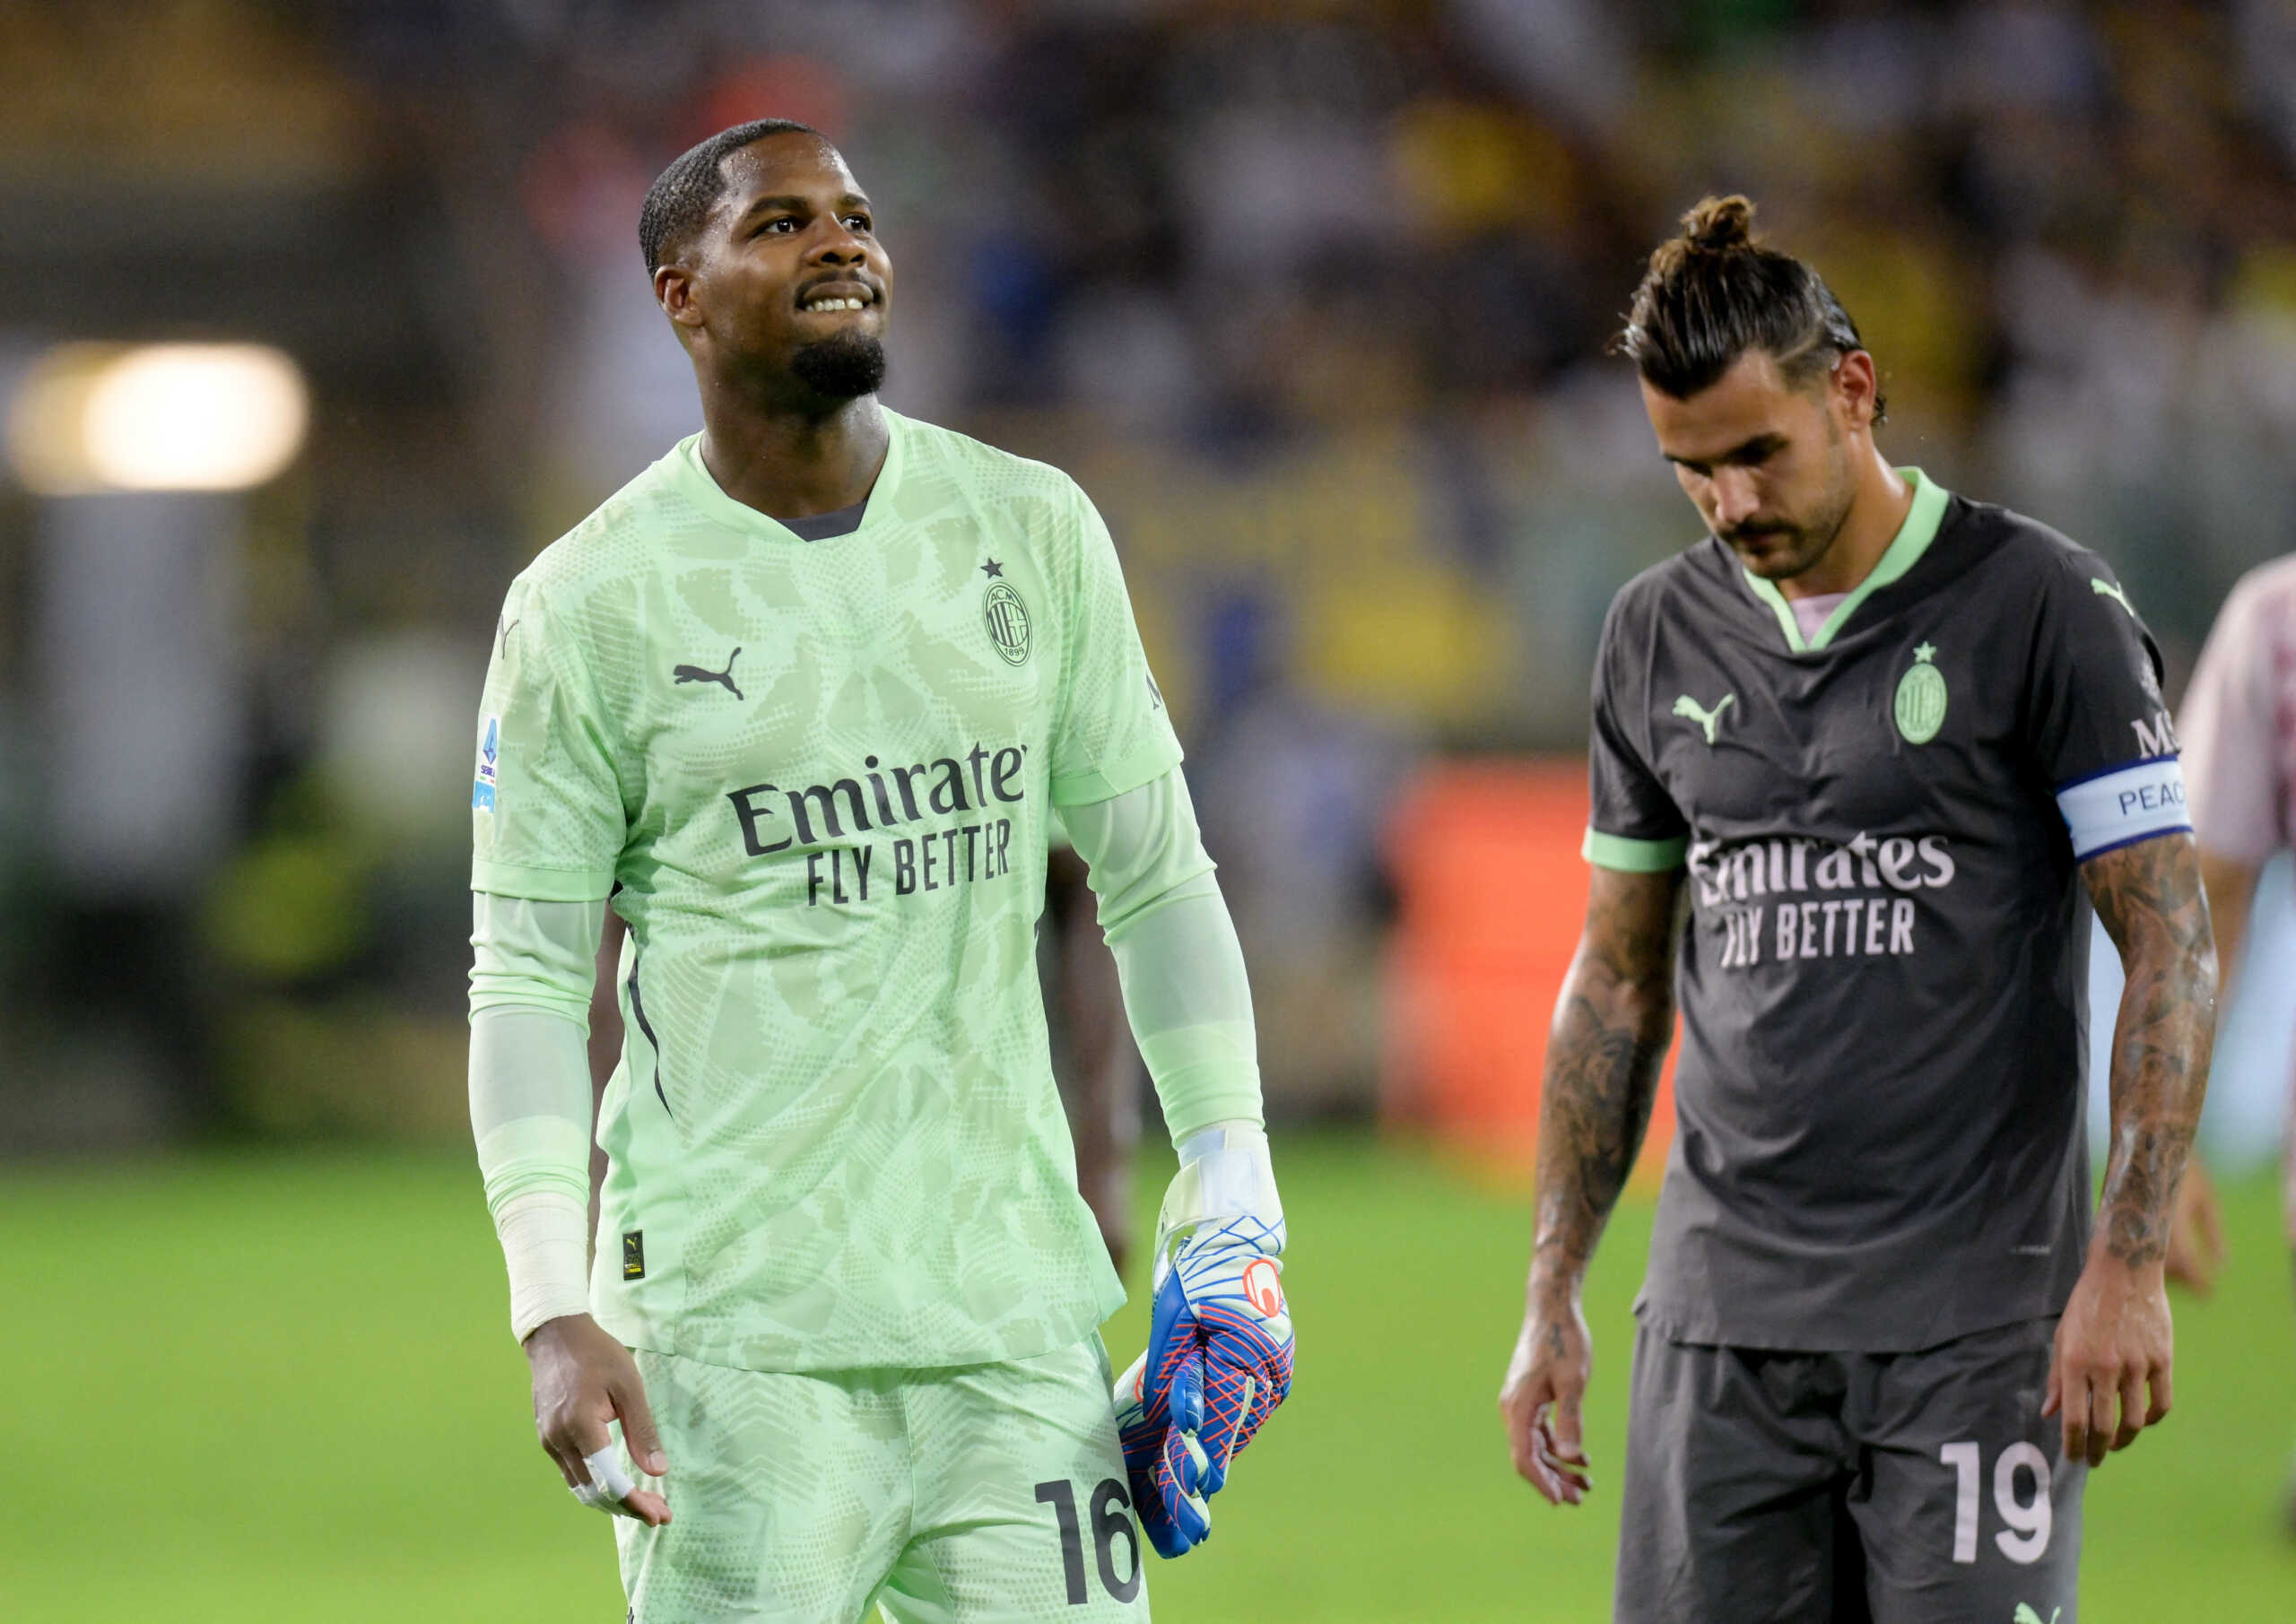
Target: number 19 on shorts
(2025,1539)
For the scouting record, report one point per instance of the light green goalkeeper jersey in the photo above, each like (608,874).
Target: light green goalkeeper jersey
(820,775)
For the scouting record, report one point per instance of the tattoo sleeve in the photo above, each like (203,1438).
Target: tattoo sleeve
(1611,1026)
(2149,897)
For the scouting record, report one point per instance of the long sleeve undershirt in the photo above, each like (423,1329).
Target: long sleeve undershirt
(1177,955)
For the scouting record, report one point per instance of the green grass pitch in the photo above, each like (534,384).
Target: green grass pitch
(280,1388)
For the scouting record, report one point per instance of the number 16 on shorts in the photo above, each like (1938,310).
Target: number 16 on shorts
(1110,1507)
(2021,1498)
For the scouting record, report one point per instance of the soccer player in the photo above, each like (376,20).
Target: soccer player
(798,699)
(2239,732)
(1856,757)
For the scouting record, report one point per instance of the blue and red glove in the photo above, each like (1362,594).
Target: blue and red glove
(1219,1355)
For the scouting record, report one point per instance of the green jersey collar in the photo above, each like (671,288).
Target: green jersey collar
(1904,550)
(693,479)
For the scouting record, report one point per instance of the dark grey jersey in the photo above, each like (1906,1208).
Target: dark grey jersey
(1882,984)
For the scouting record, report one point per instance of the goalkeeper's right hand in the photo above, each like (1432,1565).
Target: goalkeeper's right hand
(585,1380)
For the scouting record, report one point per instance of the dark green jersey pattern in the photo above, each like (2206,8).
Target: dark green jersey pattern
(1883,983)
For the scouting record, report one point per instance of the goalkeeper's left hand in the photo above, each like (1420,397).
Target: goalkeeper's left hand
(1219,1354)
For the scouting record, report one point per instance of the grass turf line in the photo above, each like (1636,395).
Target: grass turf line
(282,1388)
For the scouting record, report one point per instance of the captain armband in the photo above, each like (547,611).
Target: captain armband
(2125,805)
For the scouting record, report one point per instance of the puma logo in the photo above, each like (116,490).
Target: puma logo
(2107,590)
(1688,706)
(724,679)
(2025,1614)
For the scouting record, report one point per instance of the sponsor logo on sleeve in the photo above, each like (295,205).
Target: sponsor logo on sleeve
(2156,736)
(2106,589)
(490,750)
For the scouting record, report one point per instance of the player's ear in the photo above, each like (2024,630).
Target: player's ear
(1855,386)
(675,292)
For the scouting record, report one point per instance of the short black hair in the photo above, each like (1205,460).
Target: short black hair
(682,194)
(1715,292)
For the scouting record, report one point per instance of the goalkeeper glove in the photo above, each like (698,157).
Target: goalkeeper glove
(1219,1355)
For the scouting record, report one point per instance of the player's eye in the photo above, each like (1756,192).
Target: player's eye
(779,225)
(857,222)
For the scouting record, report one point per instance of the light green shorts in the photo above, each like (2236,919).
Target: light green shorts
(946,1496)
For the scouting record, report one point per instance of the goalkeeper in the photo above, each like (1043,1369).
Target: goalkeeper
(798,700)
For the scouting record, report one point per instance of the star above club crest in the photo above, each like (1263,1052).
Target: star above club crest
(992,569)
(1928,651)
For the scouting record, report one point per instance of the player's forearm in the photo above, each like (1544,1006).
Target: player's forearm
(1189,1002)
(530,1116)
(530,1095)
(1602,1075)
(2151,899)
(1611,1026)
(1177,956)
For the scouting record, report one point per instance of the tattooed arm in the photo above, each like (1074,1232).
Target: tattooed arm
(2115,1340)
(1611,1026)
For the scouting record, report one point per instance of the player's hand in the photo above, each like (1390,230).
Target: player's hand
(2196,1249)
(583,1381)
(1218,1363)
(1546,1379)
(2114,1347)
(1164,1466)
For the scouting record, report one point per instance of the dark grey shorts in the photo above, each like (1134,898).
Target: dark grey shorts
(1889,1488)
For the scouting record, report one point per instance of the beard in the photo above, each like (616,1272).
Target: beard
(843,367)
(1779,550)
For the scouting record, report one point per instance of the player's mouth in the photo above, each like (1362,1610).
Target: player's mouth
(835,298)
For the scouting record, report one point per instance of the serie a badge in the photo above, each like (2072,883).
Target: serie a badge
(1920,706)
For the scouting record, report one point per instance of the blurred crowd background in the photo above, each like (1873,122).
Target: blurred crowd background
(1311,296)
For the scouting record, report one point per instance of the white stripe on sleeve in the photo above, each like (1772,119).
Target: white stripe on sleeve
(2124,805)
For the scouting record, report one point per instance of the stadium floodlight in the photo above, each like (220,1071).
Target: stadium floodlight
(157,417)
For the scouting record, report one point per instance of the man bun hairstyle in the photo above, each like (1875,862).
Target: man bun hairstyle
(682,194)
(1715,292)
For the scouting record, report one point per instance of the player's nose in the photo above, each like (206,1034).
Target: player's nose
(839,245)
(1735,500)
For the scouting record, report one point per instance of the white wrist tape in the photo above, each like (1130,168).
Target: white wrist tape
(1224,1173)
(609,1486)
(546,1245)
